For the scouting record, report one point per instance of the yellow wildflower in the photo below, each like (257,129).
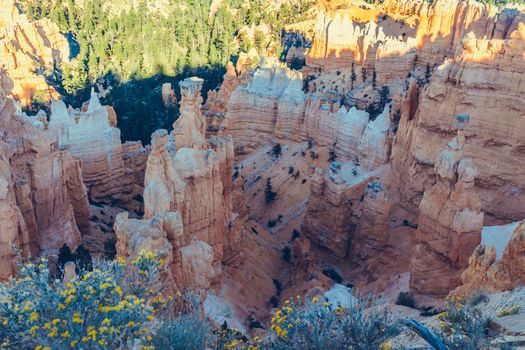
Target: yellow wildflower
(66,334)
(33,330)
(120,261)
(53,333)
(118,290)
(73,343)
(33,316)
(27,306)
(315,300)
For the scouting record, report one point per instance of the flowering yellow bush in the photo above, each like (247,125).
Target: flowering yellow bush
(112,306)
(317,324)
(510,310)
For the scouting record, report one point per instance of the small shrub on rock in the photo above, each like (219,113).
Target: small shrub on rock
(463,327)
(333,274)
(510,310)
(287,254)
(406,299)
(319,325)
(269,194)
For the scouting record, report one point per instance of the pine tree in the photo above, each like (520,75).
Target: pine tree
(428,72)
(83,259)
(353,76)
(269,194)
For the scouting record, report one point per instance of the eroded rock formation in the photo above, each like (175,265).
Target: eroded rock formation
(27,46)
(498,263)
(449,224)
(399,35)
(280,110)
(481,81)
(189,181)
(42,194)
(92,137)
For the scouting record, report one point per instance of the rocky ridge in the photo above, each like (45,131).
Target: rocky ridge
(27,48)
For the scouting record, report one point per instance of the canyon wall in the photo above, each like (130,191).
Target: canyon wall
(42,194)
(399,35)
(485,82)
(27,49)
(279,110)
(443,62)
(449,224)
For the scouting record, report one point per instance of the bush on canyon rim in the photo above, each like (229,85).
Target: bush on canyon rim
(117,305)
(317,324)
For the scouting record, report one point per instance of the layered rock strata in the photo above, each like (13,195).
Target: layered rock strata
(449,224)
(278,109)
(110,170)
(483,80)
(334,206)
(26,49)
(498,263)
(395,37)
(191,187)
(42,194)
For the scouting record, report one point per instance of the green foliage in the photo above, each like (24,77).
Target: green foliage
(269,194)
(276,150)
(319,325)
(116,306)
(122,305)
(463,327)
(406,299)
(106,308)
(138,47)
(510,310)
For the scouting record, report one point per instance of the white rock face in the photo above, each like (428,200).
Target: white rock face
(498,237)
(340,296)
(90,137)
(373,146)
(273,107)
